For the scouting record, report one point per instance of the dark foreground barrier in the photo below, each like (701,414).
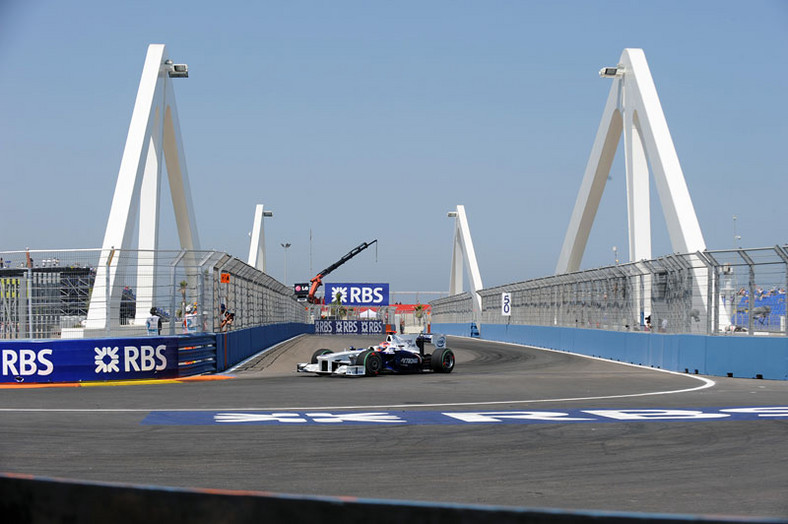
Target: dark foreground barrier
(734,356)
(25,499)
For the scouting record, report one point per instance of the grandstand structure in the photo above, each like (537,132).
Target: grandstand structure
(37,302)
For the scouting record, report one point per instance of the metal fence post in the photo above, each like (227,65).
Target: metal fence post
(751,285)
(782,252)
(173,291)
(107,297)
(712,292)
(30,300)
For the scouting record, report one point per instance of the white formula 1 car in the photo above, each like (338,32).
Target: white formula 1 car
(398,354)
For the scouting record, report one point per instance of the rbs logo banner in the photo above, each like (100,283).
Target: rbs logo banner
(349,327)
(86,360)
(358,294)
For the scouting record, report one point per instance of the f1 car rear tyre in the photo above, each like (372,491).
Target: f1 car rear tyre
(442,360)
(318,353)
(371,361)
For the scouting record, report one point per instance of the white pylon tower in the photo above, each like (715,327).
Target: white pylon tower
(633,106)
(257,243)
(154,134)
(464,254)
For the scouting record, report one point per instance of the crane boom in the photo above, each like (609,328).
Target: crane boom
(317,280)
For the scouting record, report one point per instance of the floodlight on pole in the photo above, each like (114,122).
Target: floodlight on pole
(736,237)
(285,245)
(176,70)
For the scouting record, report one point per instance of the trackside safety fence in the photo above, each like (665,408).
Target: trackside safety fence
(70,294)
(712,312)
(729,292)
(168,314)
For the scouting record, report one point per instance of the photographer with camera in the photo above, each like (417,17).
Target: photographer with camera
(227,319)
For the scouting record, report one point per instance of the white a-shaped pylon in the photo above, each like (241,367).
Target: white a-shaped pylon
(633,106)
(154,133)
(257,242)
(463,252)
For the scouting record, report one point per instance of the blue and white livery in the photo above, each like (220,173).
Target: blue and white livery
(398,354)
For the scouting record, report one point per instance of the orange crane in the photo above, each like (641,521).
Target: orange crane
(317,280)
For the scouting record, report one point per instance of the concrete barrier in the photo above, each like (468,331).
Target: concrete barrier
(27,499)
(736,356)
(236,346)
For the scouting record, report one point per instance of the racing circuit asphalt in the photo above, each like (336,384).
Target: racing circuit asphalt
(723,467)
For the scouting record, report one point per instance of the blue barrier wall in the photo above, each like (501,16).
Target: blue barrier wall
(105,359)
(738,356)
(85,360)
(236,346)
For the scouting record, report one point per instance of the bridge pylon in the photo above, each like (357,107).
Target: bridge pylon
(634,108)
(154,139)
(257,242)
(463,254)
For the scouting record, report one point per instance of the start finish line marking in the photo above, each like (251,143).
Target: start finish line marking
(399,418)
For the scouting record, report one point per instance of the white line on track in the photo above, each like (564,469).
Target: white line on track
(706,383)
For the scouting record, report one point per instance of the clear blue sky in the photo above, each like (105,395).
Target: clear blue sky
(372,119)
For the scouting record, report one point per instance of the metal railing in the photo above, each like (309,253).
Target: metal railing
(709,292)
(53,294)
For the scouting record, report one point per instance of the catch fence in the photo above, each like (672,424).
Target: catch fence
(710,292)
(91,293)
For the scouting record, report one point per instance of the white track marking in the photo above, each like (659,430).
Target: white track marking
(707,383)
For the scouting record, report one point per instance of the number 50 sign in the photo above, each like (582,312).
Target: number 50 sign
(506,304)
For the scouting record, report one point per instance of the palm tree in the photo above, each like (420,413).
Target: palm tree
(183,285)
(418,312)
(337,310)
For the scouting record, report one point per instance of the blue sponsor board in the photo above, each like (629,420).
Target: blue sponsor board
(491,418)
(89,359)
(358,294)
(349,327)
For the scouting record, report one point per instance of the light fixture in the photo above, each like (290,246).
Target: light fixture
(176,70)
(611,72)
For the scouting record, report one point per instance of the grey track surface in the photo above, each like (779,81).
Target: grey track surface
(721,467)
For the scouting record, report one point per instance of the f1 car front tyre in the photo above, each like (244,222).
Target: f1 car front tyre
(371,361)
(442,360)
(318,353)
